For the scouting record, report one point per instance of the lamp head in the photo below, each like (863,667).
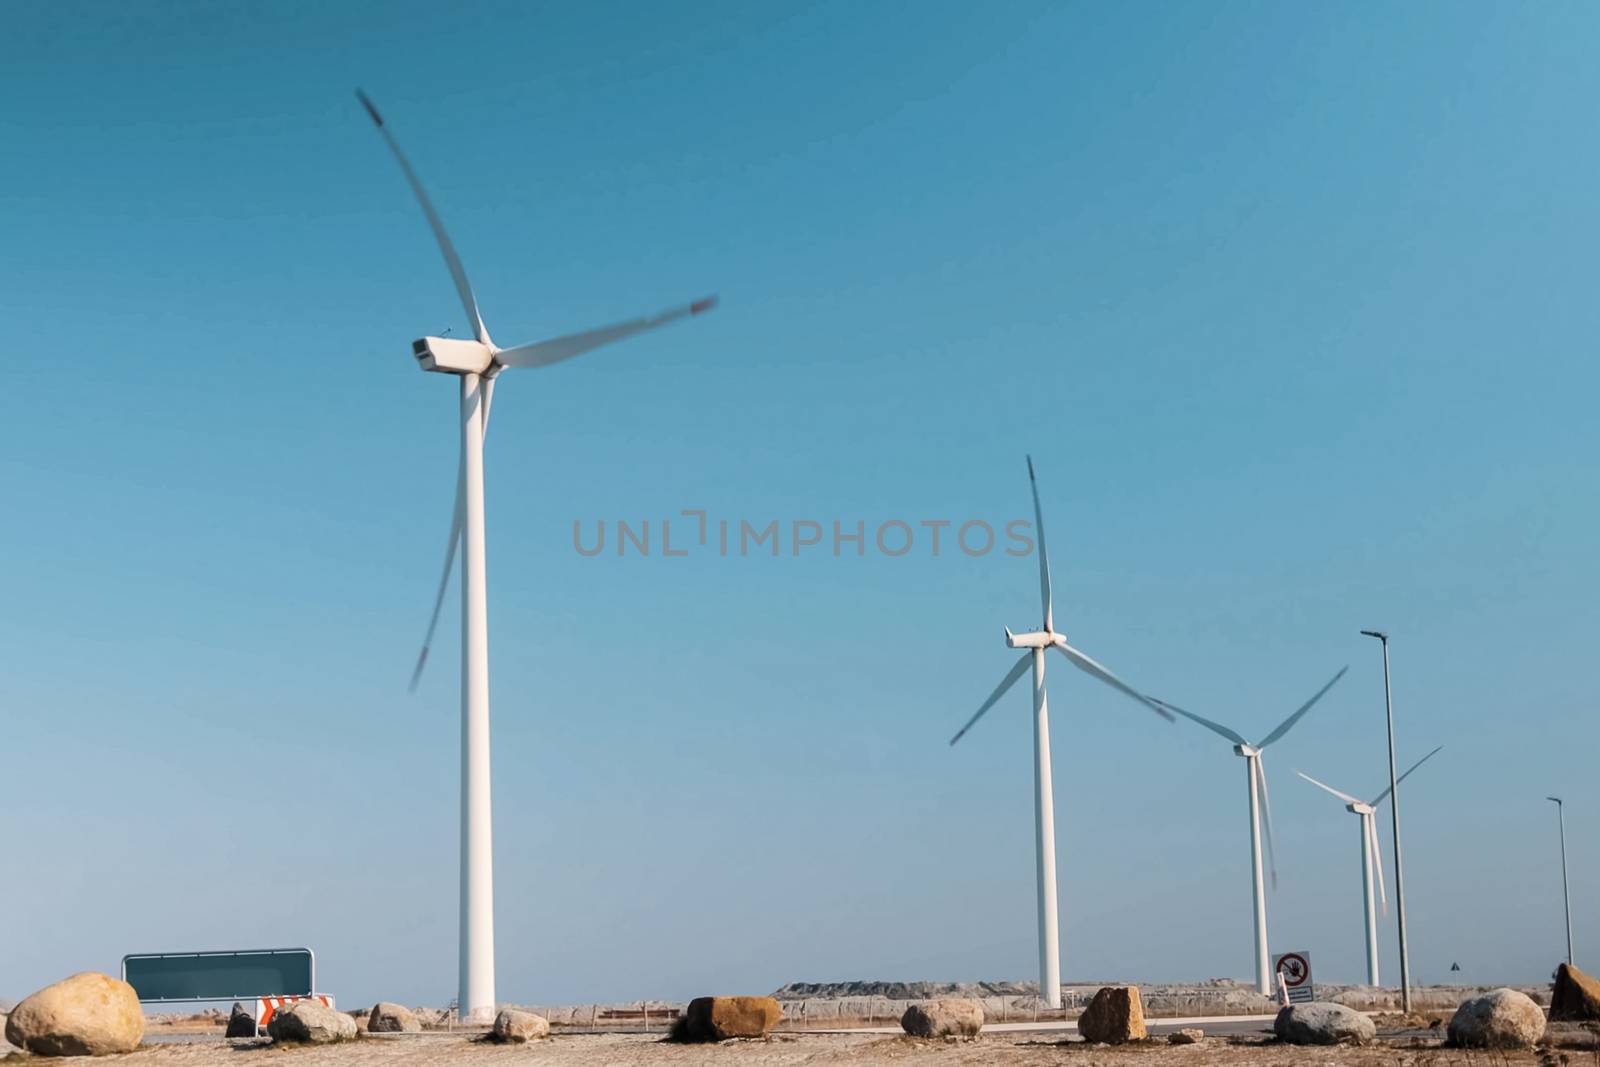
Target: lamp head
(1379,634)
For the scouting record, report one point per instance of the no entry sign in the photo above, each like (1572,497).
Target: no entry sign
(1295,970)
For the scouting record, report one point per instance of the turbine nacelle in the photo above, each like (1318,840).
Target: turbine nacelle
(1360,809)
(452,355)
(1246,750)
(1034,639)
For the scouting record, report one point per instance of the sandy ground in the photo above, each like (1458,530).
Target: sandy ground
(1023,1050)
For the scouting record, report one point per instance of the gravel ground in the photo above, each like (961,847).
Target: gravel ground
(1022,1050)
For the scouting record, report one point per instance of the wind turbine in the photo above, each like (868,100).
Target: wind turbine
(1260,814)
(478,362)
(1371,856)
(1037,642)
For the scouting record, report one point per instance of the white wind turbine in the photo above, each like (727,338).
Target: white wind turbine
(478,363)
(1371,856)
(1260,813)
(1037,642)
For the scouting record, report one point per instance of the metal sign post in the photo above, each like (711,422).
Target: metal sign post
(1294,969)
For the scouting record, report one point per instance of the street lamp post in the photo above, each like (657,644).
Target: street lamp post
(1394,812)
(1566,894)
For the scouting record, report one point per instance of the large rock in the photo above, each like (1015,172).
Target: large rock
(1323,1023)
(719,1018)
(1114,1017)
(1186,1036)
(1575,996)
(310,1022)
(1502,1018)
(88,1014)
(945,1017)
(241,1021)
(388,1018)
(518,1027)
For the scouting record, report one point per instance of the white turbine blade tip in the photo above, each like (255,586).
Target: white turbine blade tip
(1324,785)
(1015,673)
(372,109)
(416,672)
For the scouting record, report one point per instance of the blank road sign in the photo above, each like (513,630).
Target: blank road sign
(221,975)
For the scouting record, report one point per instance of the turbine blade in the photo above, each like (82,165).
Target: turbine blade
(1089,666)
(544,353)
(456,522)
(1214,727)
(488,404)
(999,691)
(1377,859)
(1381,797)
(1266,820)
(1287,724)
(458,273)
(1044,555)
(1324,785)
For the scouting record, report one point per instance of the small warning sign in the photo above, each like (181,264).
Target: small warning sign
(1294,972)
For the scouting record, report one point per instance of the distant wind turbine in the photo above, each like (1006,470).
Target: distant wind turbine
(1371,856)
(1037,642)
(478,363)
(1260,814)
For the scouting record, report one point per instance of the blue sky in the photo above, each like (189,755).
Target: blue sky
(1291,305)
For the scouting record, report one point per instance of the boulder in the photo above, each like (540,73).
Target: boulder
(1114,1017)
(719,1018)
(945,1017)
(387,1018)
(1186,1036)
(1501,1018)
(310,1022)
(88,1014)
(1323,1023)
(1575,996)
(518,1027)
(241,1021)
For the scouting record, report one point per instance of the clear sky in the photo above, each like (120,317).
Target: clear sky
(1292,305)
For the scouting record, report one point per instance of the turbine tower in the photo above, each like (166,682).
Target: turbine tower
(1260,815)
(478,362)
(1037,643)
(1371,857)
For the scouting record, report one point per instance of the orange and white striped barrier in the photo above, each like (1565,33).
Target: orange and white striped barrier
(267,1007)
